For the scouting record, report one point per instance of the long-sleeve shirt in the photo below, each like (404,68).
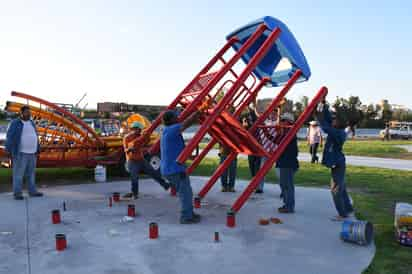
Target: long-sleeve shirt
(332,154)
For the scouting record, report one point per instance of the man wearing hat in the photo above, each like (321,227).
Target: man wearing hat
(288,165)
(171,145)
(314,137)
(334,158)
(133,144)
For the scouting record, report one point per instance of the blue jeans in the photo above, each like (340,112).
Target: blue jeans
(229,173)
(339,194)
(182,184)
(135,167)
(24,165)
(287,187)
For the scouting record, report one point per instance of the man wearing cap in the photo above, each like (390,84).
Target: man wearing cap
(133,144)
(314,138)
(288,165)
(171,145)
(334,159)
(22,143)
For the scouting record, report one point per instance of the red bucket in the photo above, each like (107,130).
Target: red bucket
(116,196)
(131,211)
(173,191)
(197,202)
(230,221)
(153,231)
(61,243)
(56,216)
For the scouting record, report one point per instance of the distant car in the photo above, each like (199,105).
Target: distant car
(398,130)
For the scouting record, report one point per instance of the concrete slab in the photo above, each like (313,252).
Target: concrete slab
(98,242)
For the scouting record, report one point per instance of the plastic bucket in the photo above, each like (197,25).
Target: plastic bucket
(359,232)
(100,174)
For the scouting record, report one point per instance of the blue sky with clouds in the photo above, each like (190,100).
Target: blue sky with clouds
(145,52)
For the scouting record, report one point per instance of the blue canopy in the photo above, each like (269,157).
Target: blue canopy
(286,46)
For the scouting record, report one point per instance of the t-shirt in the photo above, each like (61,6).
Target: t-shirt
(28,141)
(314,135)
(137,142)
(171,145)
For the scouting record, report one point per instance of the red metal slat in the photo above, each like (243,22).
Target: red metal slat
(275,156)
(223,104)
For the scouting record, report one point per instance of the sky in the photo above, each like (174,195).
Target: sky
(145,52)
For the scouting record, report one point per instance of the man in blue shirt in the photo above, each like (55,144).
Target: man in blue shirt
(334,159)
(288,165)
(171,145)
(22,144)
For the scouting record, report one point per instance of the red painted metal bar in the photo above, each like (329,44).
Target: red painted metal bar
(155,147)
(61,110)
(222,72)
(222,167)
(284,143)
(219,171)
(201,155)
(212,83)
(225,100)
(262,118)
(237,113)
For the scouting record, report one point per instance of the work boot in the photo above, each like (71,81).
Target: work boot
(128,195)
(18,196)
(232,189)
(36,194)
(194,220)
(284,209)
(224,189)
(166,186)
(258,191)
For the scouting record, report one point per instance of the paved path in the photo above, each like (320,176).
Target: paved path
(356,161)
(98,242)
(407,147)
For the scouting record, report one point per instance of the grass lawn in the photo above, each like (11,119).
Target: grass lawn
(371,148)
(3,122)
(374,191)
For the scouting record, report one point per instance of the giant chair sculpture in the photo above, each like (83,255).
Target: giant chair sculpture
(261,45)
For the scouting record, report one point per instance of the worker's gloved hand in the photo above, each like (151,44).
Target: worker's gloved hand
(205,104)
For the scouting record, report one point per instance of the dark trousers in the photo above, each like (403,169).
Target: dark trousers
(254,164)
(338,188)
(230,173)
(135,167)
(288,187)
(313,150)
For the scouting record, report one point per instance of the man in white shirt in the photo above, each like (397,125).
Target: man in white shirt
(23,146)
(314,137)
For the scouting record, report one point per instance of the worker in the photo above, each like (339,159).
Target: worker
(314,138)
(228,177)
(22,145)
(254,161)
(136,163)
(334,158)
(288,165)
(171,145)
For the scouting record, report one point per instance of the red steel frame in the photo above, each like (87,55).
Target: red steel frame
(285,141)
(275,103)
(205,91)
(270,40)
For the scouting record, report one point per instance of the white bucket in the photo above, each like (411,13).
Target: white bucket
(100,174)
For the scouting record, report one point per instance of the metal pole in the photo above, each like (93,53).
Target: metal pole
(284,143)
(223,103)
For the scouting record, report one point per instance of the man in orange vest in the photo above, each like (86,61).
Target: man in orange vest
(133,146)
